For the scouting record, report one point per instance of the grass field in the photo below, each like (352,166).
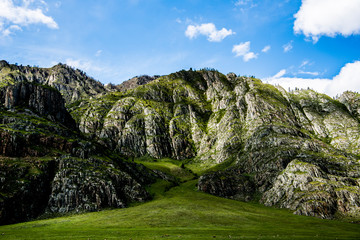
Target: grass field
(184,213)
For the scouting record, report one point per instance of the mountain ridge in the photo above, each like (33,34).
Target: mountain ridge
(247,140)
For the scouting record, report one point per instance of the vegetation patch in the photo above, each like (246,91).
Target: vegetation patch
(184,213)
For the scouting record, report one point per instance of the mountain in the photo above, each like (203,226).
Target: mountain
(244,139)
(133,82)
(47,166)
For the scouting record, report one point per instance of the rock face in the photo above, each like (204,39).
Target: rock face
(308,190)
(229,183)
(73,84)
(32,186)
(297,150)
(90,185)
(254,128)
(33,120)
(42,100)
(46,165)
(133,83)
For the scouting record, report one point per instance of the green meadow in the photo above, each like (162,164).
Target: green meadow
(182,212)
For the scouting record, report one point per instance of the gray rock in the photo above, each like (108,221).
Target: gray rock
(307,190)
(90,185)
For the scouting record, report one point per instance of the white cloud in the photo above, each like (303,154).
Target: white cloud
(347,79)
(287,47)
(266,49)
(21,15)
(248,56)
(281,73)
(98,53)
(304,63)
(245,4)
(243,50)
(209,30)
(309,73)
(241,2)
(82,65)
(8,31)
(328,17)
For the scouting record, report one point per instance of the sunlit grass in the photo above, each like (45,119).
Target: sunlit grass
(184,213)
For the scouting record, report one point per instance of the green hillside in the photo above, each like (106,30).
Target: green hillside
(184,213)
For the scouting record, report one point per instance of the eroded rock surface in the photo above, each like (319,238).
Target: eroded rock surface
(90,185)
(308,190)
(46,165)
(298,150)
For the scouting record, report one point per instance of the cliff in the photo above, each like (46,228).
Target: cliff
(247,140)
(250,130)
(48,167)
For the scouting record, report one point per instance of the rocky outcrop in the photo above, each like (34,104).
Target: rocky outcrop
(31,187)
(132,83)
(73,84)
(307,190)
(352,102)
(229,183)
(90,185)
(46,165)
(34,121)
(17,144)
(40,99)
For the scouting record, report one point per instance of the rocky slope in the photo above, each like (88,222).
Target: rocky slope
(248,140)
(73,84)
(132,83)
(47,166)
(253,129)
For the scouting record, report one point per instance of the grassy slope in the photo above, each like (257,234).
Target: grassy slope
(168,166)
(184,213)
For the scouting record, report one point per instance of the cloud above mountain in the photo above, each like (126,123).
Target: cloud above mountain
(318,18)
(209,30)
(347,79)
(14,15)
(243,50)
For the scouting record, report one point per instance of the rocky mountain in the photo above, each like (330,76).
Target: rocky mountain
(73,84)
(247,140)
(254,131)
(132,83)
(47,166)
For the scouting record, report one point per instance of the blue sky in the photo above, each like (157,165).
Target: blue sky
(312,43)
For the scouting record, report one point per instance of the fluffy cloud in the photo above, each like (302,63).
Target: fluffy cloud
(266,49)
(243,50)
(209,30)
(12,16)
(347,79)
(328,17)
